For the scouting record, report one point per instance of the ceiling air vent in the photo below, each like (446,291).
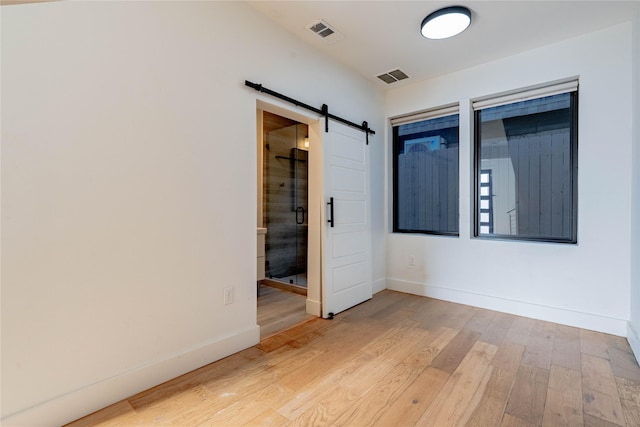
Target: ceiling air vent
(393,76)
(325,31)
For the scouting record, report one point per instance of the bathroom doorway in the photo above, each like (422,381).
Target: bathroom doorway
(285,202)
(283,213)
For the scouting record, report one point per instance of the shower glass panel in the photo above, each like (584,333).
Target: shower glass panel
(285,209)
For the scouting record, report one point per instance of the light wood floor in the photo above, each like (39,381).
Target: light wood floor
(403,360)
(279,310)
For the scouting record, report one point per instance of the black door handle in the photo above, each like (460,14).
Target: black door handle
(330,203)
(300,209)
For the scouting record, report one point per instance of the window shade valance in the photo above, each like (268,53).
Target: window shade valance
(424,115)
(525,95)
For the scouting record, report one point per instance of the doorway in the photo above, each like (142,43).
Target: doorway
(284,212)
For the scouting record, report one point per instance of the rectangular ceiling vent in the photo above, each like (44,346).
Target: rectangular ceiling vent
(325,31)
(393,76)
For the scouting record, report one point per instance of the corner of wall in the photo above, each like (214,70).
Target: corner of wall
(634,320)
(634,340)
(379,285)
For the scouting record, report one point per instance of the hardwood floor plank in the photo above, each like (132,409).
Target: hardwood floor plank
(457,316)
(529,394)
(444,314)
(383,393)
(520,330)
(449,359)
(480,320)
(326,411)
(490,409)
(414,400)
(498,329)
(268,418)
(443,337)
(598,375)
(629,393)
(511,421)
(594,343)
(383,364)
(591,421)
(631,413)
(392,337)
(242,410)
(190,406)
(489,412)
(624,364)
(540,345)
(628,390)
(452,403)
(367,310)
(509,356)
(564,398)
(163,392)
(398,309)
(603,406)
(500,384)
(566,347)
(430,313)
(300,334)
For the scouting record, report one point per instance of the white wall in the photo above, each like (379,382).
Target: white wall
(129,191)
(587,284)
(634,323)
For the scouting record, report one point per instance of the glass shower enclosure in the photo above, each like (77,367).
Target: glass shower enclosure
(285,203)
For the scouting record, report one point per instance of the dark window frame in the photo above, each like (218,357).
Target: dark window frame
(573,147)
(395,154)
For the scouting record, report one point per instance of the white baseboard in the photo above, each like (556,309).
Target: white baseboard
(379,285)
(314,307)
(78,403)
(634,340)
(583,320)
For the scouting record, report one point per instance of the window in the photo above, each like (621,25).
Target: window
(526,165)
(425,172)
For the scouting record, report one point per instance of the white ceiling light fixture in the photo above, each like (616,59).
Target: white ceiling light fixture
(446,22)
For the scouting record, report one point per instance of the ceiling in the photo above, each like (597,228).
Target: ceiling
(381,36)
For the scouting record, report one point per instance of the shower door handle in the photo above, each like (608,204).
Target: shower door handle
(300,210)
(330,203)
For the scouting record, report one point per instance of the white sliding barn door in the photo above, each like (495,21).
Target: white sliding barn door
(346,274)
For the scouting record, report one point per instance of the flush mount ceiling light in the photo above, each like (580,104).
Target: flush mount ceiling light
(446,22)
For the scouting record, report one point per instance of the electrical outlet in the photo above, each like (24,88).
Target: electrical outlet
(412,260)
(228,296)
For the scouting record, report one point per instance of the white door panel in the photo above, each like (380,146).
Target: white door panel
(352,212)
(348,244)
(348,276)
(347,179)
(346,249)
(350,150)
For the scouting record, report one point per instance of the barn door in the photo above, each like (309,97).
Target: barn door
(346,271)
